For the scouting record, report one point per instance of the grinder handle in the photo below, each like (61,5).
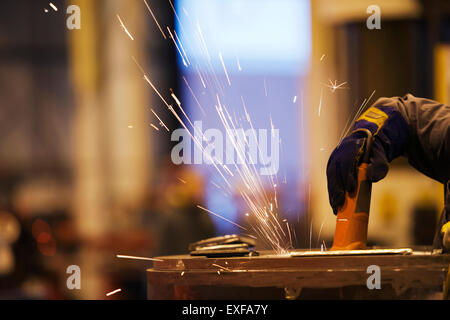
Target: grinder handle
(353,217)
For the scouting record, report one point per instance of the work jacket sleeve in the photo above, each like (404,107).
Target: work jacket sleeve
(428,148)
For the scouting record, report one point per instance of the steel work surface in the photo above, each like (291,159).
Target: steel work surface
(187,277)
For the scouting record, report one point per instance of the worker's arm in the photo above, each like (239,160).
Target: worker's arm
(417,128)
(428,148)
(414,127)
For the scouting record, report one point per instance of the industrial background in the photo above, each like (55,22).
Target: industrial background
(84,176)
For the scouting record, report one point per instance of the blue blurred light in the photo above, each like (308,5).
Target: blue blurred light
(265,35)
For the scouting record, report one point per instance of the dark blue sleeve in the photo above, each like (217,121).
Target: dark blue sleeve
(428,146)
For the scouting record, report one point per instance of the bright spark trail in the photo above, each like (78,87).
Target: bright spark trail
(125,28)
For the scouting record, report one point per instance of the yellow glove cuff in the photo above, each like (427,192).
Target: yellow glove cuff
(445,227)
(374,115)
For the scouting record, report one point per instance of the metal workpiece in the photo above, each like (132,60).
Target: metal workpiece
(272,276)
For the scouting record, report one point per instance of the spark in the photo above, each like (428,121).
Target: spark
(215,185)
(160,121)
(130,127)
(53,6)
(45,10)
(125,28)
(154,127)
(175,98)
(320,102)
(154,18)
(320,230)
(203,41)
(221,267)
(265,86)
(113,292)
(289,231)
(182,273)
(321,58)
(238,64)
(181,45)
(195,98)
(120,256)
(224,68)
(334,86)
(228,170)
(182,180)
(219,216)
(295,99)
(200,76)
(176,46)
(349,123)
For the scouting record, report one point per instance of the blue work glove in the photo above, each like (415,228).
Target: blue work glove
(390,132)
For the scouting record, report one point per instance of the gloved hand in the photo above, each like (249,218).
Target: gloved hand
(446,237)
(390,132)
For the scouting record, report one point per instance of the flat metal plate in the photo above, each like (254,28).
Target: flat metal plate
(401,251)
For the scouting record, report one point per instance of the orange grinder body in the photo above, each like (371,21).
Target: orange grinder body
(353,217)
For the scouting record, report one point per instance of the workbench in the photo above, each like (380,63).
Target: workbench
(269,276)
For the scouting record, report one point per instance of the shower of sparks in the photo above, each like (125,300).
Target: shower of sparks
(113,292)
(120,256)
(334,86)
(154,127)
(154,18)
(251,187)
(53,6)
(161,123)
(219,216)
(224,68)
(125,28)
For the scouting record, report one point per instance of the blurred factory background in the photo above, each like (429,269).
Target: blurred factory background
(84,176)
